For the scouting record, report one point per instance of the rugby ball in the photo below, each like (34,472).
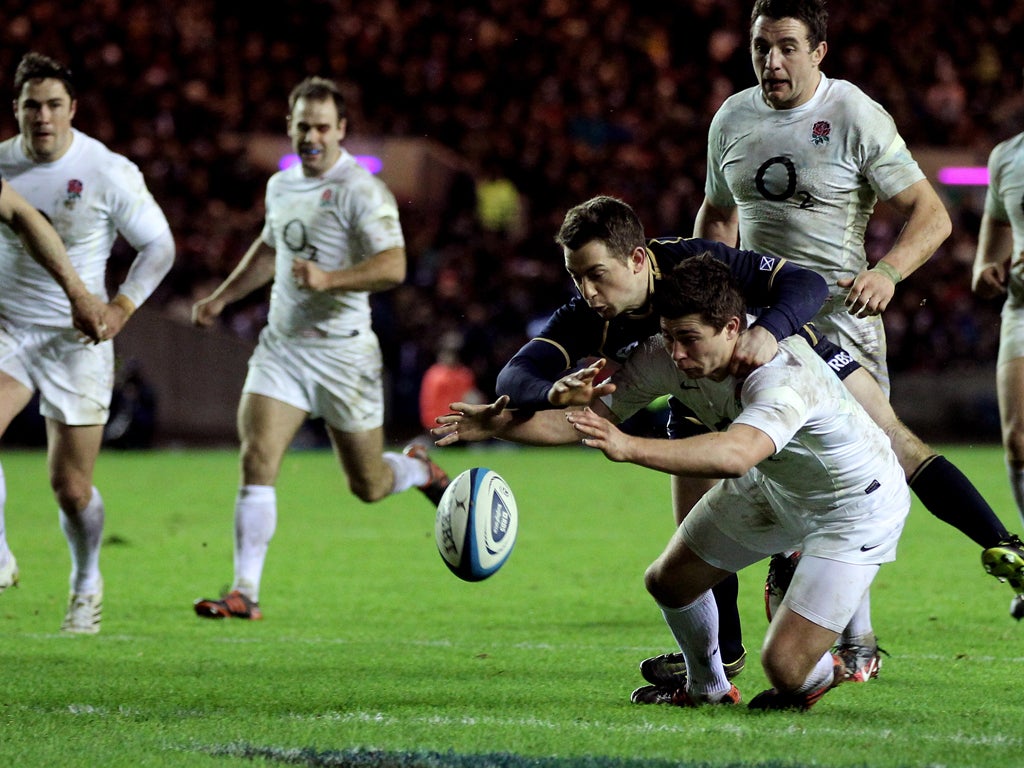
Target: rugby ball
(476,524)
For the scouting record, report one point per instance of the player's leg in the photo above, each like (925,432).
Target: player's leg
(1009,384)
(71,457)
(942,488)
(710,543)
(14,396)
(680,582)
(266,427)
(820,602)
(374,473)
(669,669)
(662,670)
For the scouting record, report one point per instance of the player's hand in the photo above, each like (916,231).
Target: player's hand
(470,422)
(89,316)
(309,276)
(870,293)
(600,433)
(579,388)
(754,347)
(990,281)
(206,311)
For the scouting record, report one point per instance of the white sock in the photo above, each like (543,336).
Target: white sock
(5,551)
(255,522)
(409,472)
(859,631)
(84,533)
(695,628)
(820,675)
(1017,486)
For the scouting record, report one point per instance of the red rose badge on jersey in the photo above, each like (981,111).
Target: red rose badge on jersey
(75,188)
(821,131)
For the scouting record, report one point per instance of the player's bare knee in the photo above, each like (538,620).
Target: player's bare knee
(781,669)
(368,490)
(72,493)
(653,582)
(665,587)
(258,467)
(1014,440)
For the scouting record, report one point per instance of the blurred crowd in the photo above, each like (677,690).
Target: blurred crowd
(549,102)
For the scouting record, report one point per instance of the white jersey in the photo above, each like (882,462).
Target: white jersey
(338,220)
(806,180)
(828,451)
(89,194)
(1004,202)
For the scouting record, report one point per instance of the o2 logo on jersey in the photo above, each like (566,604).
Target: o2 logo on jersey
(821,131)
(776,181)
(294,236)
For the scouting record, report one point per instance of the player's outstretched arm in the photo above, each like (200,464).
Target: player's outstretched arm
(717,454)
(472,423)
(255,270)
(579,388)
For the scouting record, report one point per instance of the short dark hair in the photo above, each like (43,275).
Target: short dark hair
(318,89)
(36,66)
(700,285)
(812,13)
(603,218)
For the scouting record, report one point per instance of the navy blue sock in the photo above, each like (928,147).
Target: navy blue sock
(947,493)
(730,635)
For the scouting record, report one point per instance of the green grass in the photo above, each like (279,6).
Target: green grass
(372,653)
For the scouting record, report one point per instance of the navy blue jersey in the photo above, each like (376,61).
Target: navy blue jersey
(783,295)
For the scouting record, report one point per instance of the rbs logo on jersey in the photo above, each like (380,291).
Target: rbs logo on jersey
(840,360)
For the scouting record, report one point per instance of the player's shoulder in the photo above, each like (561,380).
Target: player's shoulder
(742,104)
(850,99)
(668,250)
(93,155)
(1008,148)
(8,150)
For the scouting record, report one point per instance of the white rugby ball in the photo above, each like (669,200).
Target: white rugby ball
(476,524)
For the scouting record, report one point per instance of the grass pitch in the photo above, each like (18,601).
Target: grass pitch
(373,654)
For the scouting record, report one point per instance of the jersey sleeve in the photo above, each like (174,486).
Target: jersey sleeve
(133,209)
(785,296)
(528,376)
(883,155)
(772,406)
(995,207)
(566,338)
(716,188)
(375,216)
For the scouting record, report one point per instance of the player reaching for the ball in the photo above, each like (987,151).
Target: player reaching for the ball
(803,466)
(616,270)
(90,195)
(331,237)
(795,166)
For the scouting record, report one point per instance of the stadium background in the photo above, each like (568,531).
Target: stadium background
(553,100)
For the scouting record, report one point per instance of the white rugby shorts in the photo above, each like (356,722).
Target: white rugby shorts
(338,379)
(863,337)
(736,523)
(74,379)
(1011,333)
